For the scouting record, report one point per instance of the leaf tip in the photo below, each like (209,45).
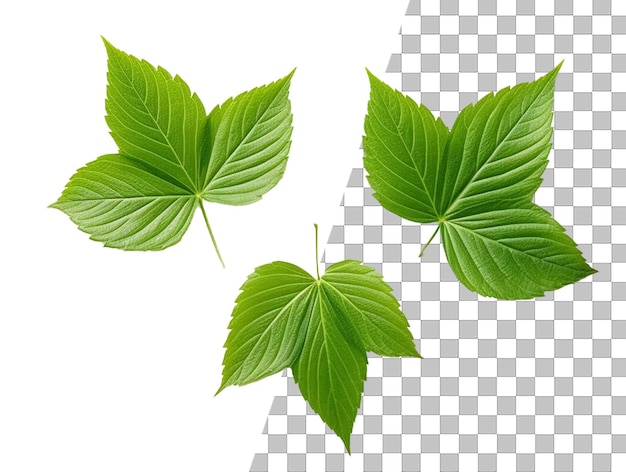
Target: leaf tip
(111,50)
(551,76)
(409,352)
(109,47)
(591,270)
(372,77)
(346,442)
(58,204)
(287,79)
(222,387)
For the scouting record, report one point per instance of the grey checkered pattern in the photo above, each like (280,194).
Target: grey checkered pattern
(535,385)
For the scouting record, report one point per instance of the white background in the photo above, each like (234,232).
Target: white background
(109,360)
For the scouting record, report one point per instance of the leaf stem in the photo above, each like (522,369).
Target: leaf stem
(317,257)
(429,241)
(206,220)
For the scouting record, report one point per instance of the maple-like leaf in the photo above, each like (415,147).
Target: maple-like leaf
(320,327)
(172,156)
(477,182)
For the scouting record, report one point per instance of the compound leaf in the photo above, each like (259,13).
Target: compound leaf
(322,328)
(477,182)
(172,156)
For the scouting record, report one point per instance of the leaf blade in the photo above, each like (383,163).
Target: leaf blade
(511,254)
(498,149)
(268,323)
(331,368)
(383,327)
(119,203)
(250,146)
(403,146)
(154,117)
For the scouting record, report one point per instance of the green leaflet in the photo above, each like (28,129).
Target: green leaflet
(523,246)
(172,156)
(477,181)
(321,328)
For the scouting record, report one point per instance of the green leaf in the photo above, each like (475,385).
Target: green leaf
(331,367)
(125,206)
(172,156)
(269,323)
(322,328)
(251,145)
(404,147)
(498,150)
(382,326)
(154,118)
(477,182)
(525,247)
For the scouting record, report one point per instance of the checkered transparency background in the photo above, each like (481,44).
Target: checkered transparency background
(505,385)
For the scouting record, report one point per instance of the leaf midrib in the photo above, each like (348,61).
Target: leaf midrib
(327,341)
(146,197)
(509,248)
(342,295)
